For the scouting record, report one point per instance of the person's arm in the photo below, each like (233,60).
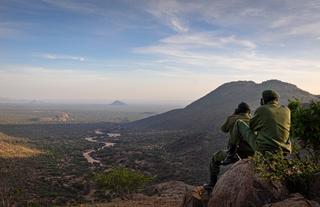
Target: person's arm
(226,126)
(255,121)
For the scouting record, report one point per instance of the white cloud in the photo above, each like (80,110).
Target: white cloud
(308,29)
(62,57)
(170,14)
(204,52)
(286,18)
(77,6)
(206,39)
(177,25)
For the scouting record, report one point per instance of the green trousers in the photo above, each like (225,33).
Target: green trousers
(215,163)
(241,136)
(220,156)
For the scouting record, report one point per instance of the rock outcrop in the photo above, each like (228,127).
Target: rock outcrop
(295,200)
(241,187)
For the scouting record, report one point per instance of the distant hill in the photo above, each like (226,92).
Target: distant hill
(118,103)
(209,111)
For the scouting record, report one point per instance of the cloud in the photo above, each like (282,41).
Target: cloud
(62,57)
(206,39)
(207,52)
(77,6)
(176,24)
(170,13)
(286,18)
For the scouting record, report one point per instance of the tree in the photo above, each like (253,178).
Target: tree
(306,123)
(121,181)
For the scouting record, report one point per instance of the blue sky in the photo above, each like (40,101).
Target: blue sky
(154,51)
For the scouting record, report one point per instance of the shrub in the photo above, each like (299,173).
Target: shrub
(121,181)
(294,171)
(305,123)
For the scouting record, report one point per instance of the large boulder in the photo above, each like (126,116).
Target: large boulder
(295,200)
(241,187)
(169,189)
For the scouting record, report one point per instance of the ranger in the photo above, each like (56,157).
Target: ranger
(237,148)
(268,130)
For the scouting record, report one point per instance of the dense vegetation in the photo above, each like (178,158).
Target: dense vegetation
(306,123)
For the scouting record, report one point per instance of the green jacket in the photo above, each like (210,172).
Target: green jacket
(231,120)
(272,124)
(244,150)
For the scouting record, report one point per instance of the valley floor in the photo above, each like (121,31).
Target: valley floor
(61,175)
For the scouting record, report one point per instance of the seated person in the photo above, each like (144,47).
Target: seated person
(235,150)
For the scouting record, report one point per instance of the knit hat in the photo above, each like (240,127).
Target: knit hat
(270,95)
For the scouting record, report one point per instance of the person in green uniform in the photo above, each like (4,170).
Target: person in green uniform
(241,148)
(268,130)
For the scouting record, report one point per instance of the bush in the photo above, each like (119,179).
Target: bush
(295,172)
(121,181)
(305,123)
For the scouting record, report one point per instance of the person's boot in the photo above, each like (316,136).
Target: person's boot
(209,187)
(232,156)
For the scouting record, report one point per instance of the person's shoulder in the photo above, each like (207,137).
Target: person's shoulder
(243,115)
(262,108)
(233,116)
(286,108)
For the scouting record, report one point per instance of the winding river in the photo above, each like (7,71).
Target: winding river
(87,154)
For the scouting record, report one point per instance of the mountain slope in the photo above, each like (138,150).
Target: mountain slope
(210,110)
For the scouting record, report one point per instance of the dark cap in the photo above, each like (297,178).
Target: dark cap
(243,107)
(270,95)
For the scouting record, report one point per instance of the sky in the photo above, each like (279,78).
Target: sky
(152,51)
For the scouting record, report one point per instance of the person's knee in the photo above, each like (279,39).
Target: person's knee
(218,156)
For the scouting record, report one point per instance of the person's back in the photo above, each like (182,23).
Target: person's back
(231,120)
(272,122)
(269,128)
(243,149)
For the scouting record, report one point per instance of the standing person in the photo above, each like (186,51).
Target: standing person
(268,130)
(235,149)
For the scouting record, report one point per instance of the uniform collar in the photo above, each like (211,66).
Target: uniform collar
(273,103)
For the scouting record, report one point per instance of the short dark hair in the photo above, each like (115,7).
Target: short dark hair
(243,108)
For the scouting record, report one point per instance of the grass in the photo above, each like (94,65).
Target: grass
(12,147)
